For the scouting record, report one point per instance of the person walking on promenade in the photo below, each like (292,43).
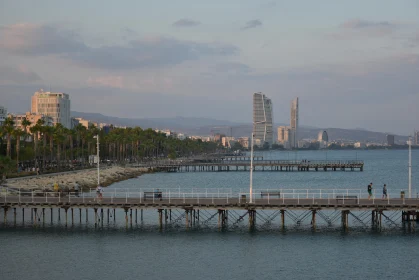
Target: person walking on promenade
(369,191)
(56,187)
(385,191)
(76,188)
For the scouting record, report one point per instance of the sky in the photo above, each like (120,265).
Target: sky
(353,64)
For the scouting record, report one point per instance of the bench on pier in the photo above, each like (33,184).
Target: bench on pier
(346,197)
(269,194)
(156,194)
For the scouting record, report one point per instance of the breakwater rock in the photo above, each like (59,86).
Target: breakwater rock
(85,178)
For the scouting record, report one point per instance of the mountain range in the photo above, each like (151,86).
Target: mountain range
(207,126)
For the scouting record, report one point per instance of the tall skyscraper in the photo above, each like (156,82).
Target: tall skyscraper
(53,104)
(417,138)
(262,119)
(294,123)
(390,140)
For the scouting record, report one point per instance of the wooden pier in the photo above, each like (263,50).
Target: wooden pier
(231,209)
(243,164)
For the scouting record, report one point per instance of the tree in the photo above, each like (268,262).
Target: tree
(8,128)
(18,133)
(59,137)
(7,166)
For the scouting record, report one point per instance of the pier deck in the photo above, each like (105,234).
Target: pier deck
(243,164)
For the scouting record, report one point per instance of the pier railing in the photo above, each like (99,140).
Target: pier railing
(195,195)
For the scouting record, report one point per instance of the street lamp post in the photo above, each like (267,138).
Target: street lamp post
(251,162)
(251,171)
(97,158)
(410,167)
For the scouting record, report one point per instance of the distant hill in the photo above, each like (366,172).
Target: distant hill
(160,123)
(207,126)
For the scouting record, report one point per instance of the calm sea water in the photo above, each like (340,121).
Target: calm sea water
(81,251)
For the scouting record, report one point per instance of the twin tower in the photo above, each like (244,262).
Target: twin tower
(263,124)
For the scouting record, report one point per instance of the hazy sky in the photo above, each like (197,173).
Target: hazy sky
(353,64)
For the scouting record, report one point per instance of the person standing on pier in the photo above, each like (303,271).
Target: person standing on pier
(369,191)
(385,191)
(99,192)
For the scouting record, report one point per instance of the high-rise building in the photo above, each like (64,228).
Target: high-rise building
(390,140)
(322,138)
(53,104)
(3,114)
(262,119)
(294,124)
(417,138)
(284,134)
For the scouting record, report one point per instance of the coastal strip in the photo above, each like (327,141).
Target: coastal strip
(86,179)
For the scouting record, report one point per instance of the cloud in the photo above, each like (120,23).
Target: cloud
(108,81)
(252,24)
(184,22)
(18,75)
(359,27)
(33,39)
(41,40)
(359,24)
(232,68)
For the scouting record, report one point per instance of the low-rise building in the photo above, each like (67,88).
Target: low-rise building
(3,114)
(244,141)
(83,122)
(360,145)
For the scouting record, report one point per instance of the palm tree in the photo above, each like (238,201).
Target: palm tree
(18,133)
(35,134)
(8,128)
(25,124)
(7,165)
(59,137)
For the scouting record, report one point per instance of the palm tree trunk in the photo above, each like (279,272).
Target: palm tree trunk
(9,144)
(71,147)
(17,151)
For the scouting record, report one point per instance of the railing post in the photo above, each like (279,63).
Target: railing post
(19,195)
(59,197)
(169,197)
(212,198)
(268,199)
(373,197)
(388,199)
(227,198)
(313,198)
(298,200)
(69,195)
(320,193)
(46,197)
(307,193)
(32,195)
(126,197)
(184,198)
(328,198)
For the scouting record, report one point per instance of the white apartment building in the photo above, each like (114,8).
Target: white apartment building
(53,104)
(3,114)
(262,119)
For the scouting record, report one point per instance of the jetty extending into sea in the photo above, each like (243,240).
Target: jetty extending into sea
(223,207)
(243,163)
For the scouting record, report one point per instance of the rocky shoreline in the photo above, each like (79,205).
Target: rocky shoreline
(87,179)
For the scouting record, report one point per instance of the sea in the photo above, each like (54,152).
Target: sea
(113,249)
